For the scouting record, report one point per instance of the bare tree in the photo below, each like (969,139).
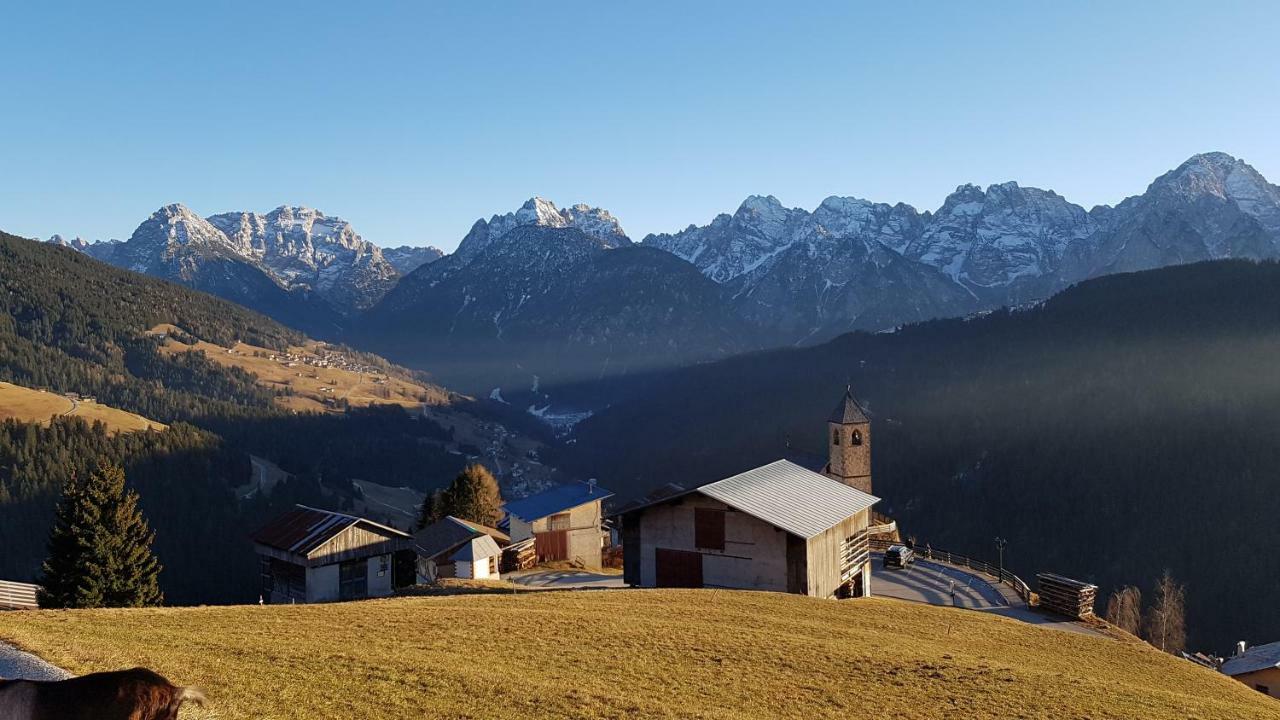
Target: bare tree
(1124,609)
(1166,622)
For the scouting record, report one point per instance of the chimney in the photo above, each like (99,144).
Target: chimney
(1241,646)
(591,486)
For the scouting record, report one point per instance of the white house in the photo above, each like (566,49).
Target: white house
(453,547)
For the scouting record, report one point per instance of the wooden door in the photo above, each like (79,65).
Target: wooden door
(552,545)
(678,568)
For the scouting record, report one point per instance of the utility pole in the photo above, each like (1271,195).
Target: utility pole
(1000,543)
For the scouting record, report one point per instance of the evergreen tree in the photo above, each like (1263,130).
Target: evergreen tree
(100,547)
(432,508)
(473,495)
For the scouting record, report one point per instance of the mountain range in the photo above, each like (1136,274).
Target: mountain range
(566,294)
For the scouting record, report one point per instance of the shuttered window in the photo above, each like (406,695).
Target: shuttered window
(708,528)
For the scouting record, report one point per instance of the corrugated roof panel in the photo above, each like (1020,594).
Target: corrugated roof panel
(304,529)
(1254,659)
(789,497)
(557,499)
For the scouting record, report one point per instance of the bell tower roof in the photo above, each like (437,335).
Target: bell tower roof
(848,412)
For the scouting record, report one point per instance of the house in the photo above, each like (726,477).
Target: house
(1257,667)
(309,555)
(452,547)
(780,527)
(565,523)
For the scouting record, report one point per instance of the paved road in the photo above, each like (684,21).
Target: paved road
(941,584)
(15,665)
(564,579)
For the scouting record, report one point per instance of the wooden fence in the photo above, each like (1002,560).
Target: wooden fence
(18,596)
(1021,588)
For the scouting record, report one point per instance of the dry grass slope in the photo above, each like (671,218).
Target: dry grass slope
(30,405)
(627,654)
(311,386)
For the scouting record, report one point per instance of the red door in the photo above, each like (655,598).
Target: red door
(552,545)
(678,568)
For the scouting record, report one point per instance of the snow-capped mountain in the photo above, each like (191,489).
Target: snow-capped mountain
(851,263)
(592,222)
(407,258)
(561,295)
(303,248)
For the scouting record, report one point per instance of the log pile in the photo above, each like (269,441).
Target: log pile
(1065,596)
(519,556)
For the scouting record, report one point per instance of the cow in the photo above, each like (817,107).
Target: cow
(137,694)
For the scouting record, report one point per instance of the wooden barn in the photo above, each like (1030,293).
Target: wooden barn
(309,555)
(452,547)
(566,523)
(778,527)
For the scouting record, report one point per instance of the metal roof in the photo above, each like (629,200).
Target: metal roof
(304,529)
(848,411)
(557,499)
(1253,659)
(478,549)
(449,532)
(791,498)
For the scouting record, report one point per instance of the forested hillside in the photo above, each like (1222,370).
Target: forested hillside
(1127,425)
(73,324)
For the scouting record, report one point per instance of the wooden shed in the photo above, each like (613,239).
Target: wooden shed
(308,555)
(778,527)
(453,547)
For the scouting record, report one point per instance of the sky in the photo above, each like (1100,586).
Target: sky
(411,120)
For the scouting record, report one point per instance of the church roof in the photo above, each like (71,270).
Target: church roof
(848,411)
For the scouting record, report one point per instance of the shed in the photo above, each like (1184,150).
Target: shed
(1257,667)
(310,555)
(453,547)
(777,527)
(564,521)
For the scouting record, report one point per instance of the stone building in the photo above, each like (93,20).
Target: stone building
(849,442)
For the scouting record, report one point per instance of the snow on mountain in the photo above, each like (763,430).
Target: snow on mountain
(593,222)
(304,248)
(407,258)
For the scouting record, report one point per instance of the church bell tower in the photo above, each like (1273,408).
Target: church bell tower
(849,444)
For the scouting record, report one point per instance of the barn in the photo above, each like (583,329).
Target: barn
(564,521)
(308,555)
(453,547)
(778,527)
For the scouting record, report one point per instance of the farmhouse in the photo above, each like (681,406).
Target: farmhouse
(565,523)
(309,555)
(452,547)
(1257,667)
(779,527)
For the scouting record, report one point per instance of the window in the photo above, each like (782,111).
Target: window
(382,566)
(835,436)
(558,522)
(857,437)
(708,528)
(1263,689)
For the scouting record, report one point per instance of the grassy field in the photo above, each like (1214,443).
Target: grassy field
(629,654)
(312,386)
(37,406)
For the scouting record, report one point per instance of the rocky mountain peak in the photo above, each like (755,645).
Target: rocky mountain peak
(592,221)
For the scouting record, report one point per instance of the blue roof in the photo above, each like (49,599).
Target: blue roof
(557,499)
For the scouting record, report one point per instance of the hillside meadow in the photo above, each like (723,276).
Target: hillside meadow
(628,654)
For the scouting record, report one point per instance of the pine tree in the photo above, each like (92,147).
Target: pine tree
(432,509)
(100,547)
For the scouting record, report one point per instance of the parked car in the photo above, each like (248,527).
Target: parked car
(899,556)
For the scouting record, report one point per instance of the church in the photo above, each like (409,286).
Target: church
(779,527)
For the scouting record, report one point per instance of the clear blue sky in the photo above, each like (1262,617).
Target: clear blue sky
(413,119)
